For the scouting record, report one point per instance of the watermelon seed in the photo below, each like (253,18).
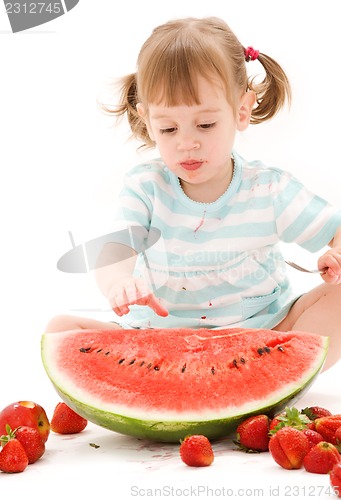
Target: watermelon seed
(213,370)
(235,363)
(280,348)
(121,361)
(156,368)
(99,350)
(260,351)
(242,360)
(149,366)
(132,362)
(267,349)
(142,363)
(107,353)
(85,349)
(183,368)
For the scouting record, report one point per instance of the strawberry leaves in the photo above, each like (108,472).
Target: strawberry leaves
(291,417)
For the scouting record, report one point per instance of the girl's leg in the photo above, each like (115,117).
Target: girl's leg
(318,311)
(65,322)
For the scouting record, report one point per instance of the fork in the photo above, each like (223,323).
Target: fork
(304,270)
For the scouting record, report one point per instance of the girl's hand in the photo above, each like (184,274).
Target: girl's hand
(332,260)
(131,291)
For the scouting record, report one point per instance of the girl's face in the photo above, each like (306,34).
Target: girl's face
(196,141)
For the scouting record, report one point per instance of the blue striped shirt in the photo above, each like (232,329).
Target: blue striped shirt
(219,264)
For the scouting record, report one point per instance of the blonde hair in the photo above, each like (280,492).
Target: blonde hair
(173,57)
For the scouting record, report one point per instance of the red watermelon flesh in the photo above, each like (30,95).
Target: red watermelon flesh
(166,383)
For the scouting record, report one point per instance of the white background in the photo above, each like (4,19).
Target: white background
(62,160)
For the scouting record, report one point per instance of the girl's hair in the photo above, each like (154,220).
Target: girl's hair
(179,51)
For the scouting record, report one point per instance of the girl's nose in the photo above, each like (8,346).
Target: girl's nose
(186,144)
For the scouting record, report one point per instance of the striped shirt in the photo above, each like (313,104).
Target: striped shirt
(219,264)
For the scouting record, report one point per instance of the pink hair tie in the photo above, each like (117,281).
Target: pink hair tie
(251,54)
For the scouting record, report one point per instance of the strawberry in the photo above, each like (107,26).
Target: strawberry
(253,434)
(335,478)
(337,436)
(30,438)
(288,447)
(313,437)
(314,412)
(13,457)
(321,458)
(327,426)
(290,417)
(66,421)
(32,442)
(196,451)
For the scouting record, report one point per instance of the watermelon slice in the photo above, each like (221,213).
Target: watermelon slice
(164,384)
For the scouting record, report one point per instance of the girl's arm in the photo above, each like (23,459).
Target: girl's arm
(115,279)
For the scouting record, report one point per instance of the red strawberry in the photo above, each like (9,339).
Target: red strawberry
(327,426)
(253,434)
(196,451)
(338,436)
(13,457)
(288,447)
(335,478)
(66,421)
(32,442)
(314,412)
(30,438)
(290,417)
(313,437)
(321,458)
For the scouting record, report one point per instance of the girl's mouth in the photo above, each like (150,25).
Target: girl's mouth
(191,165)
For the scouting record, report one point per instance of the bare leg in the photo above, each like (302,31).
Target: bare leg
(65,322)
(318,311)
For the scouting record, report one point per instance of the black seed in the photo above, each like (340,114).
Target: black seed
(121,361)
(280,348)
(212,370)
(99,350)
(108,352)
(267,349)
(183,368)
(242,360)
(156,368)
(132,362)
(142,363)
(235,363)
(260,351)
(149,366)
(85,349)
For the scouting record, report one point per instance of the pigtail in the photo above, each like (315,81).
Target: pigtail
(271,92)
(127,106)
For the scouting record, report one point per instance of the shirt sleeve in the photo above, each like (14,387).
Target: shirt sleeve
(134,212)
(303,217)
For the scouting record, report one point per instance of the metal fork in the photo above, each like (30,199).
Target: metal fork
(304,270)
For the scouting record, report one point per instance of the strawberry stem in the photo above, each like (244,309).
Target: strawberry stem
(291,417)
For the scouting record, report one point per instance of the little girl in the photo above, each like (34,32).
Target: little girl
(219,218)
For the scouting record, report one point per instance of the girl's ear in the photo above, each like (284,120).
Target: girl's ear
(246,104)
(140,110)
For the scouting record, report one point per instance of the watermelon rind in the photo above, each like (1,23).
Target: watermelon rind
(170,428)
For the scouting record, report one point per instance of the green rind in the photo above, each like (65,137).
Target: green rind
(173,431)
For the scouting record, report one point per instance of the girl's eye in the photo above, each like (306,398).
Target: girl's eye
(169,130)
(207,125)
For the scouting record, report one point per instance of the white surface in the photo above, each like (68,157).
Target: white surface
(61,167)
